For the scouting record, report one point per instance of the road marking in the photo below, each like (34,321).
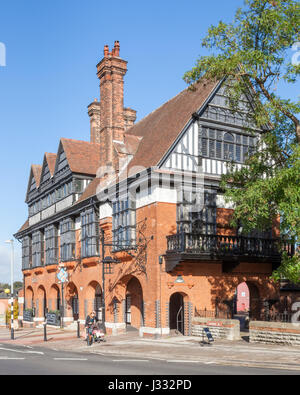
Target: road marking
(22,352)
(9,349)
(35,352)
(8,358)
(130,360)
(181,361)
(70,359)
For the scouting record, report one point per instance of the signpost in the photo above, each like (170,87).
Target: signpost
(62,277)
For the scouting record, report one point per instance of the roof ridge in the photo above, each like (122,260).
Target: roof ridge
(79,141)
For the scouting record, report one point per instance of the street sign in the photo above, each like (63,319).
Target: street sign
(62,275)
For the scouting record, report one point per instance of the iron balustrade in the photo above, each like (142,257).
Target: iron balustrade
(193,243)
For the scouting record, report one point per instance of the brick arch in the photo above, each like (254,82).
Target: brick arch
(54,300)
(72,300)
(126,302)
(92,288)
(29,297)
(178,312)
(134,296)
(41,301)
(254,299)
(93,299)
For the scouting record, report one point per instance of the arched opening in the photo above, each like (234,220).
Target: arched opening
(29,298)
(246,303)
(93,299)
(176,313)
(54,303)
(98,302)
(41,306)
(134,304)
(73,300)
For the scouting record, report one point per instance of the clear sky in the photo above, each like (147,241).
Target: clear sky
(52,48)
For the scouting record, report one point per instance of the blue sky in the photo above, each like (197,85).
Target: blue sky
(52,48)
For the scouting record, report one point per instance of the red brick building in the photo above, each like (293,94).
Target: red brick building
(142,201)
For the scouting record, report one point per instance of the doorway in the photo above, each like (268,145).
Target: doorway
(128,310)
(177,312)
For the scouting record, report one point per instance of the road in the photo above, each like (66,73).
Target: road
(25,360)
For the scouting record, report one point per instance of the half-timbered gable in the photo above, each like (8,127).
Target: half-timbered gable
(214,136)
(33,182)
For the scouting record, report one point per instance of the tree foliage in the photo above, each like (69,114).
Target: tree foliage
(252,53)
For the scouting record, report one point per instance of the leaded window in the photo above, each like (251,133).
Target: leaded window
(37,249)
(197,212)
(26,253)
(124,221)
(51,245)
(229,146)
(89,234)
(67,240)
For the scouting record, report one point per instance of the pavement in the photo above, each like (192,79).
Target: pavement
(174,348)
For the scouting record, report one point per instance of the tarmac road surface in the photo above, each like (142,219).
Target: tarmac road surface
(27,360)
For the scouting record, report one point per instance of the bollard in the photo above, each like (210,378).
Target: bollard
(45,331)
(78,329)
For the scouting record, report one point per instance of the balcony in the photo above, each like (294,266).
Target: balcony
(230,250)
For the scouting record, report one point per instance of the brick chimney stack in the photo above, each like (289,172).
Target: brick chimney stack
(94,114)
(111,71)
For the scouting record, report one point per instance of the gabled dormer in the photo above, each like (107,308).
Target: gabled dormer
(33,182)
(62,168)
(47,170)
(214,136)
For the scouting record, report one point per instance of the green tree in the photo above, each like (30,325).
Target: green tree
(253,54)
(16,312)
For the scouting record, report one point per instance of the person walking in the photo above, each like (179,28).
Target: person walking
(90,322)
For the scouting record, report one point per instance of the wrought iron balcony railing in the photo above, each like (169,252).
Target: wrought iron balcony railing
(221,245)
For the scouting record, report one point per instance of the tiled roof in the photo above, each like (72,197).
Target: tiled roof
(24,226)
(91,190)
(160,128)
(83,157)
(51,159)
(36,171)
